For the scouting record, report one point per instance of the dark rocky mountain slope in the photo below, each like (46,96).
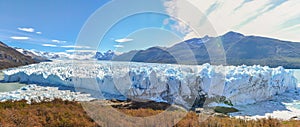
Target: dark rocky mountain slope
(10,57)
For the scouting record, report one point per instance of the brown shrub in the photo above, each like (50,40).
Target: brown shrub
(56,113)
(67,113)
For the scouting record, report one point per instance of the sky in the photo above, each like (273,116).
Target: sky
(121,26)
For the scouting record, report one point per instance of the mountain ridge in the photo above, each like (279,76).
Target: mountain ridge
(33,55)
(10,57)
(238,48)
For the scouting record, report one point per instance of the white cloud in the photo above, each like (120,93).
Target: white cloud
(83,51)
(75,46)
(49,45)
(19,38)
(118,46)
(58,41)
(188,18)
(118,53)
(38,32)
(30,30)
(261,17)
(123,40)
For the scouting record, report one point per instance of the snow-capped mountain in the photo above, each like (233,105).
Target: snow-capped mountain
(33,55)
(105,56)
(46,55)
(87,55)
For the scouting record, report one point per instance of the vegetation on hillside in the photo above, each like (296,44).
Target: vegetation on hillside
(47,114)
(66,113)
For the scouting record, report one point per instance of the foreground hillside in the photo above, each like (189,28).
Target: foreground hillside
(66,113)
(10,57)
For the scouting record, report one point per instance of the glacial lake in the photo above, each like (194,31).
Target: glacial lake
(6,87)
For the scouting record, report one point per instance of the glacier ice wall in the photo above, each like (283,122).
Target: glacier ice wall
(178,84)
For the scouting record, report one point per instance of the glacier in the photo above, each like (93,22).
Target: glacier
(34,93)
(176,84)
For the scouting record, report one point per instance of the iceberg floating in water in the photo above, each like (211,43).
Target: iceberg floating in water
(179,84)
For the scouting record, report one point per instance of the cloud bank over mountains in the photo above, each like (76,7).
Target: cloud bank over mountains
(271,18)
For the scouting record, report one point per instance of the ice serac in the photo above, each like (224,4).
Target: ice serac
(178,84)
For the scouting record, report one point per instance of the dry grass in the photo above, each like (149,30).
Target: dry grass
(193,120)
(65,113)
(56,113)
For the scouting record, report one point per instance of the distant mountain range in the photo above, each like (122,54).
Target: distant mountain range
(10,57)
(105,56)
(48,56)
(238,49)
(34,55)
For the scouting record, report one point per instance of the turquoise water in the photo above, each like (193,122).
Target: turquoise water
(6,87)
(297,105)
